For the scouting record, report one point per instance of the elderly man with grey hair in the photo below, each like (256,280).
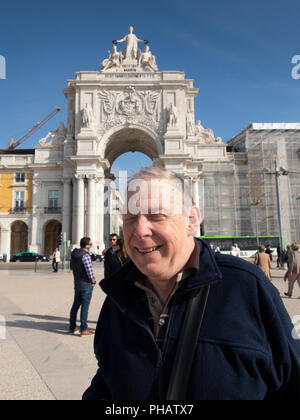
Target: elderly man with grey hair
(180,322)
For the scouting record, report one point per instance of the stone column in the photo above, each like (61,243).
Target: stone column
(80,208)
(196,198)
(201,196)
(34,245)
(195,191)
(74,212)
(91,219)
(202,202)
(100,213)
(66,210)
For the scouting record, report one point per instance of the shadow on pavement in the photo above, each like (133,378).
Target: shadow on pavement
(48,323)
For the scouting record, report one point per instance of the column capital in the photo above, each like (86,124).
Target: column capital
(91,176)
(100,178)
(192,178)
(79,176)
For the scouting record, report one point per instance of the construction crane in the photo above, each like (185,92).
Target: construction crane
(14,144)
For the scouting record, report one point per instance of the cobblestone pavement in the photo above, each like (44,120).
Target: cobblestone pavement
(39,359)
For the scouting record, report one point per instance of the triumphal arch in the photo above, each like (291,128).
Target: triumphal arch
(129,104)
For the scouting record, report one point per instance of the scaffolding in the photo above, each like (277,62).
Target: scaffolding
(240,197)
(263,148)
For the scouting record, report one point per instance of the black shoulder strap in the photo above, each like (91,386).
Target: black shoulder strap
(187,343)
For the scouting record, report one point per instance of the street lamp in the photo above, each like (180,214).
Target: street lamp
(278,172)
(255,203)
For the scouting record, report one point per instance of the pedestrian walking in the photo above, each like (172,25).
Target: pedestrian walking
(262,260)
(117,259)
(287,258)
(280,256)
(235,251)
(183,323)
(293,274)
(84,282)
(269,251)
(55,260)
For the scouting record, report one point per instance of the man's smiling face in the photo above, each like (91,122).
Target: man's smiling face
(158,238)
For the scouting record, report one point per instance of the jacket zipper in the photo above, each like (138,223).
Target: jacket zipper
(171,320)
(162,351)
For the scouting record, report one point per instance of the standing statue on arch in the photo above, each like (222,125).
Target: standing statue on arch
(88,117)
(131,49)
(172,116)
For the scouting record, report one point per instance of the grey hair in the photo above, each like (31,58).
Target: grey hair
(175,180)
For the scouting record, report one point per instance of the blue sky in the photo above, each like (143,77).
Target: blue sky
(238,53)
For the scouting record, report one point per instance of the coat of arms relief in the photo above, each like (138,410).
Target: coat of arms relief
(130,106)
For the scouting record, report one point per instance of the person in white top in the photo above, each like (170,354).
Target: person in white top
(235,251)
(56,259)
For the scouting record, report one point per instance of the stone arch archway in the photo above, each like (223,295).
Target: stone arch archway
(19,237)
(52,231)
(130,139)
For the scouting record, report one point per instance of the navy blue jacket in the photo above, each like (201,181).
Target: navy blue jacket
(245,349)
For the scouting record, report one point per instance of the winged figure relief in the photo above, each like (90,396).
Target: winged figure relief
(109,101)
(151,100)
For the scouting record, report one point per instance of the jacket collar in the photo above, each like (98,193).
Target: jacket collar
(122,290)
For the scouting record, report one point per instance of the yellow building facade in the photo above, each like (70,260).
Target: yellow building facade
(8,188)
(15,204)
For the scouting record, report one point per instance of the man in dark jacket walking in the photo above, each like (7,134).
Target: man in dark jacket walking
(84,282)
(246,348)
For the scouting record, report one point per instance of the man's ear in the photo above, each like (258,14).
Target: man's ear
(193,220)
